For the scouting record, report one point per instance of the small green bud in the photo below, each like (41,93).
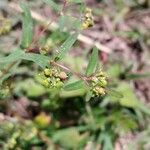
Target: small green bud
(87,19)
(48,72)
(102,83)
(101,74)
(55,72)
(44,50)
(98,91)
(5,25)
(46,83)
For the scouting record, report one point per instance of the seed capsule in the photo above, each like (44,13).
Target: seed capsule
(44,50)
(63,75)
(102,83)
(99,91)
(47,72)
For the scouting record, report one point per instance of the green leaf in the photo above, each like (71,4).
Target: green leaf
(128,69)
(72,93)
(76,1)
(145,109)
(11,71)
(134,76)
(63,137)
(18,54)
(114,71)
(14,56)
(54,5)
(66,46)
(106,139)
(39,59)
(88,96)
(74,85)
(30,87)
(115,94)
(92,62)
(27,26)
(129,99)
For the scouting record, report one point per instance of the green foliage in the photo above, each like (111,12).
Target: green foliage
(27,27)
(19,54)
(133,76)
(30,88)
(66,46)
(92,62)
(129,99)
(105,138)
(74,86)
(69,138)
(114,71)
(17,136)
(76,1)
(69,105)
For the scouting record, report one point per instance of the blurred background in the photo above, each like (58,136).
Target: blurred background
(38,118)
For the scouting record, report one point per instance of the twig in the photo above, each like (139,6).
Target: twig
(53,26)
(85,79)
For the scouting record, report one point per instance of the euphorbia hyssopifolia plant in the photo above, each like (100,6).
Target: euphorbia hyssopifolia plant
(55,74)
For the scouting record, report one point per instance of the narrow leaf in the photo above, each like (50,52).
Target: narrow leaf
(66,46)
(129,98)
(72,93)
(14,56)
(18,54)
(92,62)
(27,26)
(114,93)
(137,76)
(76,1)
(145,109)
(11,71)
(39,59)
(74,86)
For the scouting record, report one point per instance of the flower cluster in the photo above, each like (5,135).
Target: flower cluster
(87,19)
(53,77)
(5,25)
(15,135)
(44,49)
(99,83)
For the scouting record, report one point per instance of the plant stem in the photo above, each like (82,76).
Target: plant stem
(85,79)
